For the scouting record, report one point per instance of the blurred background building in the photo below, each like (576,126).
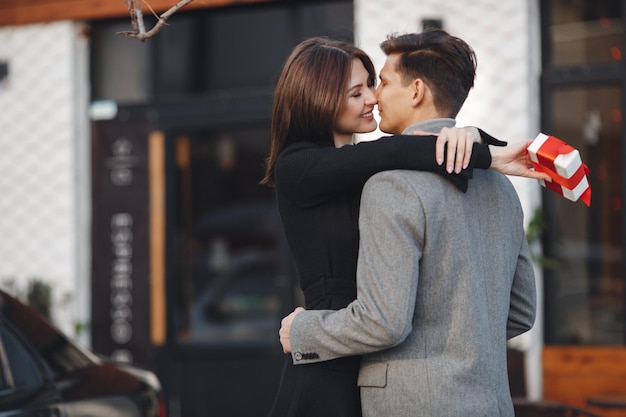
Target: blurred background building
(129,179)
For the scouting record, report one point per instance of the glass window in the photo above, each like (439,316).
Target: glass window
(120,65)
(586,285)
(213,51)
(228,226)
(6,379)
(226,50)
(24,370)
(221,50)
(57,352)
(586,31)
(252,56)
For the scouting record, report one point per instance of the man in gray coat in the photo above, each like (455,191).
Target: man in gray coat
(444,278)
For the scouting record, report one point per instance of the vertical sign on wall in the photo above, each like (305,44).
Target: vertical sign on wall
(120,250)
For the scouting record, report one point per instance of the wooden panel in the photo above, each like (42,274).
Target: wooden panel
(18,12)
(573,374)
(156,155)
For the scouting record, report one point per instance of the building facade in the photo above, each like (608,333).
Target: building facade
(129,171)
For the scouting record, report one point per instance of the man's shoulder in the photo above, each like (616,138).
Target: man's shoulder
(495,189)
(386,186)
(403,174)
(494,179)
(433,186)
(415,178)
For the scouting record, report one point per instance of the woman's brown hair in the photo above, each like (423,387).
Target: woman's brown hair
(311,94)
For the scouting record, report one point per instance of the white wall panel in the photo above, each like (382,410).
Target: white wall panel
(38,159)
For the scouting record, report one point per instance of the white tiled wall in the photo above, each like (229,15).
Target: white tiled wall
(42,147)
(499,33)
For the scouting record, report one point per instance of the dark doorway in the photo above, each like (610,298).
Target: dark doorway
(229,282)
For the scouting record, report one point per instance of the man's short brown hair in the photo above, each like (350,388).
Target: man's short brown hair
(447,64)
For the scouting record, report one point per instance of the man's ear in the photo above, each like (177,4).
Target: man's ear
(419,91)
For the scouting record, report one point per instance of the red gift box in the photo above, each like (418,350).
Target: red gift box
(564,165)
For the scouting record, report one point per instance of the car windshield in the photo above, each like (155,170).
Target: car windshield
(60,353)
(24,374)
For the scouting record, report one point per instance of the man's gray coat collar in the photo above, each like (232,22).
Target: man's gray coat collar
(430,126)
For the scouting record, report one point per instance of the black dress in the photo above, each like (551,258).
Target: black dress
(318,191)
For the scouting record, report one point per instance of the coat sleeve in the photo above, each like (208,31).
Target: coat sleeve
(490,140)
(308,175)
(523,306)
(381,316)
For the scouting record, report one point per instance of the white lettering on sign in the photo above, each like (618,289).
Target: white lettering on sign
(122,355)
(121,278)
(122,162)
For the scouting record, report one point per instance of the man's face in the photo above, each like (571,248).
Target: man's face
(394,98)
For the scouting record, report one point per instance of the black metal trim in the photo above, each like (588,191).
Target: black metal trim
(217,111)
(585,74)
(4,70)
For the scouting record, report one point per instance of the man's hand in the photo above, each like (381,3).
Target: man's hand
(285,329)
(513,159)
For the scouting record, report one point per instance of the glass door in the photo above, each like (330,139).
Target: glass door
(227,232)
(229,275)
(585,275)
(584,90)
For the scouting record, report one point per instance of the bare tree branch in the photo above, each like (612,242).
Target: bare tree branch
(136,17)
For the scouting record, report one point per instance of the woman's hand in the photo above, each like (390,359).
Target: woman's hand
(459,141)
(459,152)
(513,159)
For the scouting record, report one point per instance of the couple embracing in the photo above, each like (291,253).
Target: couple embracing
(409,249)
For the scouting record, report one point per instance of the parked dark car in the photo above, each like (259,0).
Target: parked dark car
(44,373)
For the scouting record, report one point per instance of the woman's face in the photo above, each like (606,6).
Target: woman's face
(357,116)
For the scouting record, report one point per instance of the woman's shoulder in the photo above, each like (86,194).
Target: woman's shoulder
(299,146)
(298,151)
